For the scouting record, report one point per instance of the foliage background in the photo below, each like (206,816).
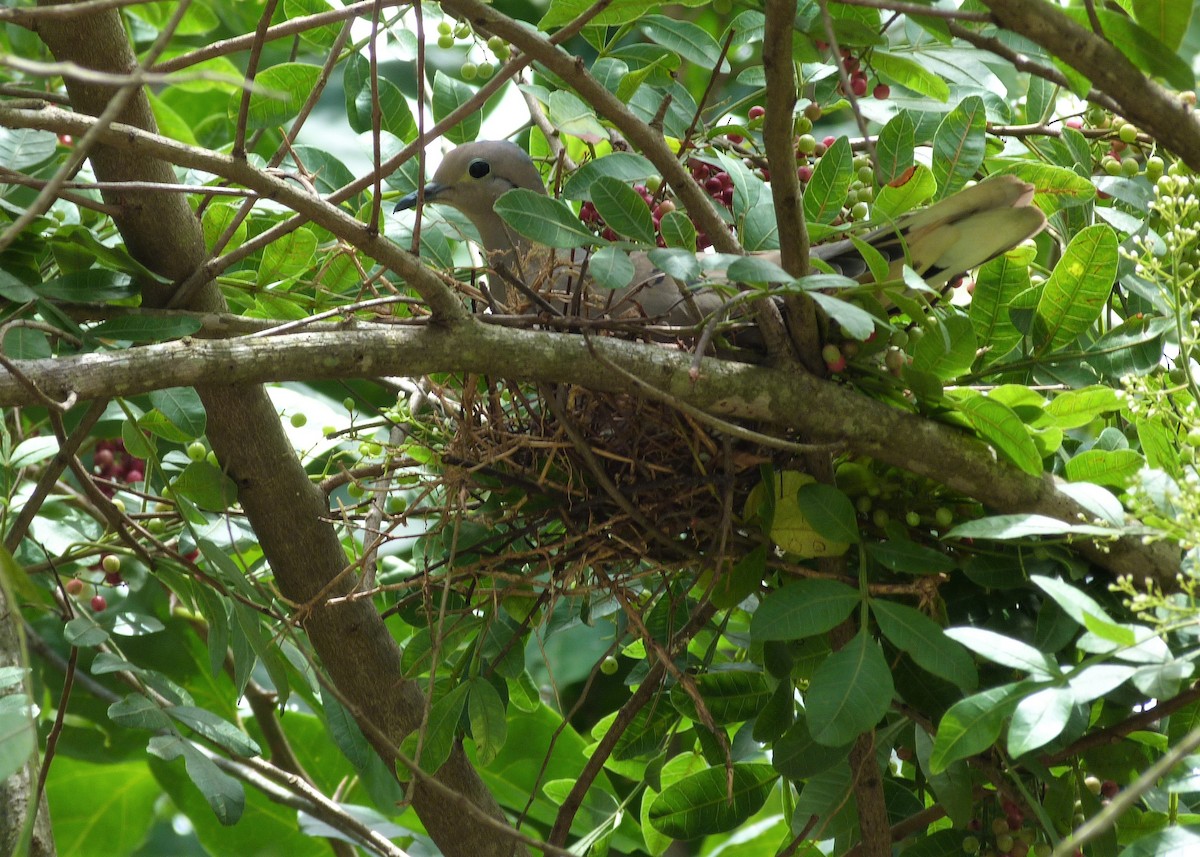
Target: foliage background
(1025,482)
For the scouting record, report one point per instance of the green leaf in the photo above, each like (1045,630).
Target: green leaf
(701,804)
(23,148)
(282,91)
(803,609)
(909,557)
(675,262)
(1115,468)
(1170,842)
(689,40)
(1022,527)
(207,486)
(395,116)
(543,219)
(972,725)
(1142,48)
(571,115)
(93,285)
(141,328)
(910,74)
(913,632)
(826,191)
(797,756)
(997,424)
(442,727)
(449,94)
(625,167)
(678,231)
(1039,718)
(895,147)
(729,697)
(757,270)
(182,406)
(959,145)
(1006,651)
(215,728)
(1134,347)
(854,320)
(489,728)
(623,209)
(894,200)
(138,712)
(1167,21)
(1074,296)
(112,802)
(947,350)
(850,692)
(1076,408)
(611,267)
(829,511)
(618,12)
(224,794)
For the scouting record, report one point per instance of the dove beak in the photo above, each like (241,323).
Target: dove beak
(409,201)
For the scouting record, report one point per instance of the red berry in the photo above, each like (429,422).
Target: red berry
(812,111)
(804,173)
(882,91)
(858,84)
(98,603)
(113,579)
(727,197)
(103,458)
(714,186)
(134,475)
(1109,788)
(829,141)
(663,208)
(74,586)
(736,139)
(66,140)
(851,64)
(1074,122)
(756,112)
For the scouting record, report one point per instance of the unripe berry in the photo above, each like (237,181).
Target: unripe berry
(196,451)
(111,563)
(1129,167)
(1127,133)
(803,125)
(860,211)
(486,70)
(834,360)
(806,144)
(812,111)
(469,71)
(445,42)
(609,665)
(1155,166)
(970,844)
(444,28)
(298,420)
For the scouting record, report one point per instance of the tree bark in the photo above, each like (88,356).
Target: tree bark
(283,506)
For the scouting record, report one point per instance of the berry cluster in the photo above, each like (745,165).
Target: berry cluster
(717,182)
(1009,836)
(859,82)
(450,33)
(112,463)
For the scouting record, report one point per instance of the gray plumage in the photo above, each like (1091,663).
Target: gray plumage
(940,242)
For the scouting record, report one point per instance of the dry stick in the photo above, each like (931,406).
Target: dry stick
(29,17)
(256,46)
(377,109)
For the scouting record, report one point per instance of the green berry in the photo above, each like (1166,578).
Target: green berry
(803,125)
(462,31)
(468,71)
(860,211)
(119,505)
(355,490)
(912,519)
(444,28)
(298,420)
(943,516)
(1155,166)
(1127,133)
(348,404)
(970,844)
(866,175)
(486,70)
(806,144)
(1111,165)
(196,451)
(111,563)
(609,665)
(445,42)
(1129,166)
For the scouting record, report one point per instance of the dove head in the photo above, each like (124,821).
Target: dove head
(472,177)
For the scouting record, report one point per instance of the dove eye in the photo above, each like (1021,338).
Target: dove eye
(478,168)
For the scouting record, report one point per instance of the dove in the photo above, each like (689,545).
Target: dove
(940,242)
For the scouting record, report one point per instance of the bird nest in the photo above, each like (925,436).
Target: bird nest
(568,478)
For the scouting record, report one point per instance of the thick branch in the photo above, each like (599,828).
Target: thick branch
(821,411)
(1142,101)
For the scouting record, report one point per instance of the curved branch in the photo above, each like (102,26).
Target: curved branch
(821,411)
